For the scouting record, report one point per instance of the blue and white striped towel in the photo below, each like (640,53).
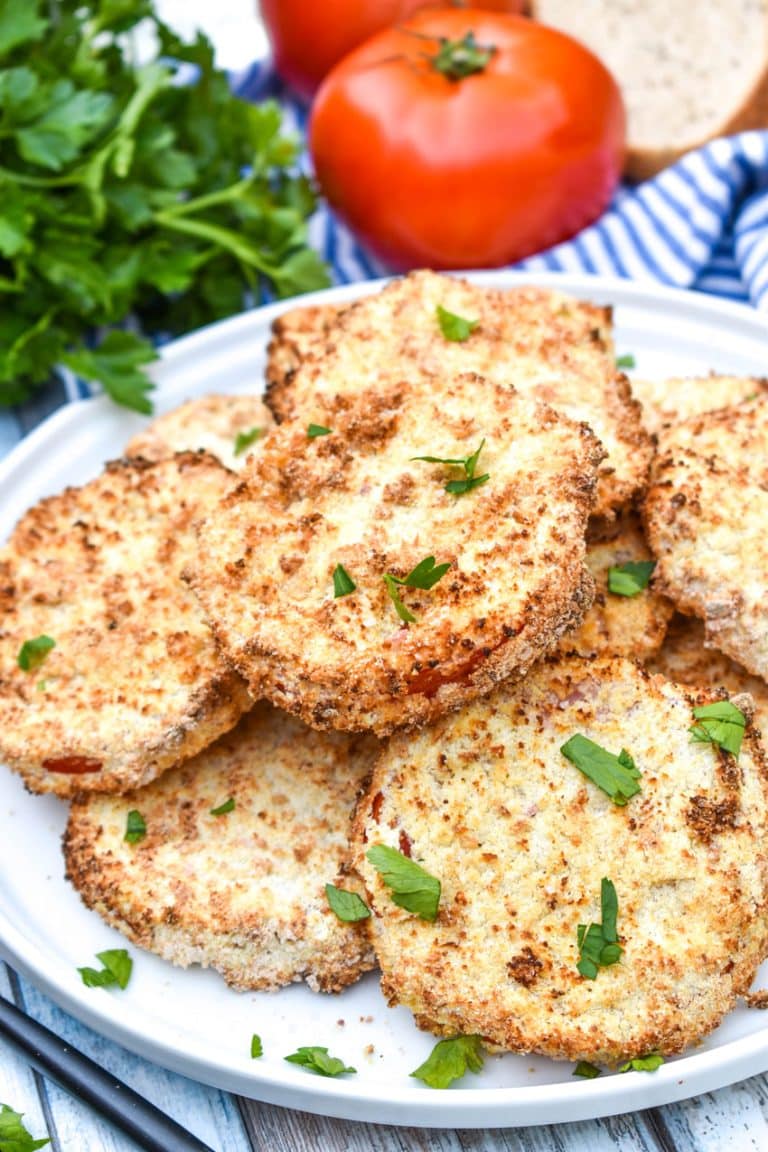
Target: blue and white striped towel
(700,224)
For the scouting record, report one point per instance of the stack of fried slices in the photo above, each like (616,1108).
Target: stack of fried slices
(380,674)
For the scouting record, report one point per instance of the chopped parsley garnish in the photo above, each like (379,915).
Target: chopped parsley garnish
(425,575)
(598,943)
(586,1070)
(244,440)
(135,827)
(343,583)
(625,361)
(617,776)
(317,1060)
(33,652)
(348,906)
(468,463)
(14,1137)
(116,968)
(256,1047)
(227,806)
(453,327)
(631,578)
(647,1063)
(449,1060)
(411,886)
(720,723)
(315,430)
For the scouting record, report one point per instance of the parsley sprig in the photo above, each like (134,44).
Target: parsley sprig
(33,652)
(243,440)
(631,578)
(127,193)
(317,1060)
(617,776)
(348,906)
(425,575)
(720,723)
(598,943)
(468,463)
(449,1060)
(14,1136)
(453,327)
(411,886)
(135,827)
(116,968)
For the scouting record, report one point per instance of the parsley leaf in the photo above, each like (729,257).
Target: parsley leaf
(647,1063)
(315,430)
(317,1060)
(586,1070)
(223,809)
(411,886)
(468,463)
(625,361)
(425,575)
(118,365)
(454,327)
(244,440)
(256,1047)
(449,1060)
(348,906)
(631,578)
(116,968)
(343,584)
(720,723)
(33,652)
(598,943)
(617,776)
(14,1136)
(135,827)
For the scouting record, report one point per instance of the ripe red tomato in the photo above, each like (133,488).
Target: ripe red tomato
(475,171)
(308,38)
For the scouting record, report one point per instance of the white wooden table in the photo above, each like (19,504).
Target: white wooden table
(733,1118)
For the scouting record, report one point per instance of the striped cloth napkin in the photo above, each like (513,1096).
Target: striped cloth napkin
(701,224)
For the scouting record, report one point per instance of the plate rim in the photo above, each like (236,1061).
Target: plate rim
(464,1106)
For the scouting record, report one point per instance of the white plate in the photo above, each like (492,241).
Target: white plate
(189,1021)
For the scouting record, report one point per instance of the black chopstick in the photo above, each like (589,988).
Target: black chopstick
(81,1077)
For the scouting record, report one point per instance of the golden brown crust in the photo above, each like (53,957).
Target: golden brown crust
(242,892)
(632,626)
(543,343)
(358,498)
(520,840)
(212,423)
(135,683)
(706,511)
(297,335)
(686,656)
(677,398)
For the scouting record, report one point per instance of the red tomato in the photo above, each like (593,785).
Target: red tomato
(308,37)
(477,171)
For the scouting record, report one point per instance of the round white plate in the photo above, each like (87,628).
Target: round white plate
(189,1021)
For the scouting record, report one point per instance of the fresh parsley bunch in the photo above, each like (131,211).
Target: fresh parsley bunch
(130,191)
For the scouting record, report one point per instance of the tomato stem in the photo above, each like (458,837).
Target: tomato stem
(458,59)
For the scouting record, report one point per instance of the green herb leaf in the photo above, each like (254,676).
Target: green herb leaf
(14,1137)
(135,827)
(256,1047)
(586,1070)
(449,1060)
(116,968)
(625,361)
(425,575)
(19,23)
(348,906)
(118,365)
(33,652)
(454,327)
(411,886)
(314,430)
(617,776)
(227,806)
(643,1063)
(598,943)
(631,578)
(343,584)
(244,440)
(317,1060)
(468,463)
(720,723)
